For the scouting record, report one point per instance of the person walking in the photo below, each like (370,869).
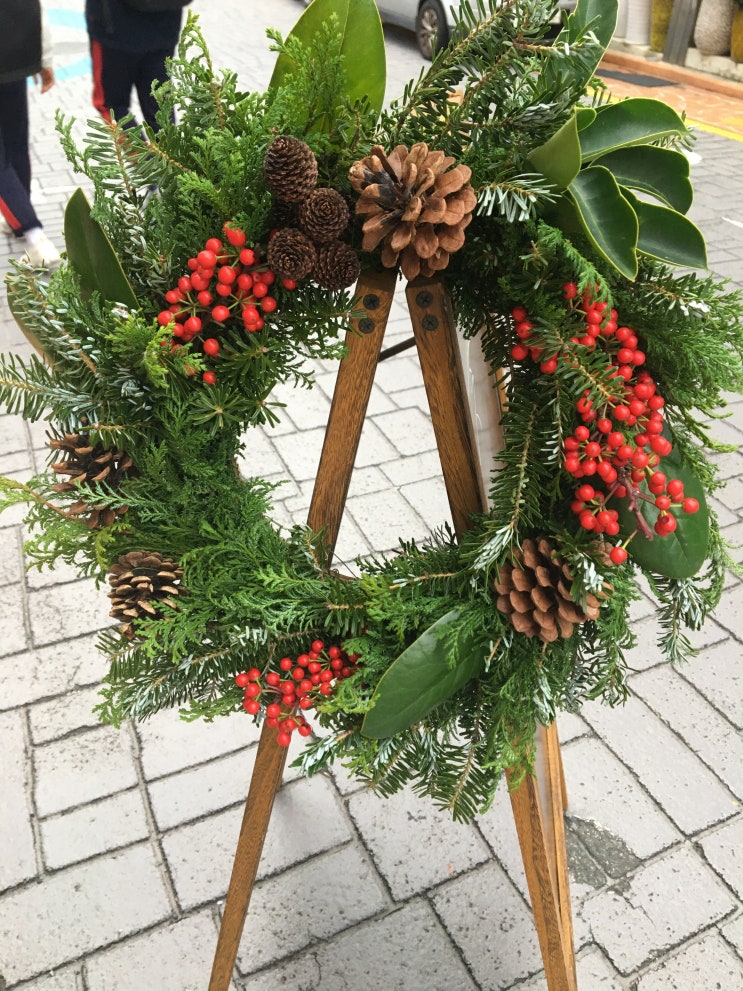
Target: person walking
(130,41)
(25,50)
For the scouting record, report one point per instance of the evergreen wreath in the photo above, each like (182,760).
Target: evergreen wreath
(557,218)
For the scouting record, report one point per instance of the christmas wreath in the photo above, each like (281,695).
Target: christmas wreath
(218,259)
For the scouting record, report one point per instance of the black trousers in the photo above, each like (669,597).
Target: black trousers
(117,73)
(15,159)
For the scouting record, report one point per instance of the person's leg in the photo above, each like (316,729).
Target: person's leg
(15,203)
(14,128)
(150,68)
(113,78)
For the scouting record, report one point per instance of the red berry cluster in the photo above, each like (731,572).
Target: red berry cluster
(305,677)
(224,280)
(621,442)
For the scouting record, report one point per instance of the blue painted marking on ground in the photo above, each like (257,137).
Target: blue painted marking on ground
(66,18)
(80,68)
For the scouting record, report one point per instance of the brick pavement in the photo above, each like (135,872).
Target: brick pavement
(117,845)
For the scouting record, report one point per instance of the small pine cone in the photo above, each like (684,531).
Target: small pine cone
(290,168)
(337,266)
(417,205)
(534,592)
(291,254)
(91,465)
(141,582)
(323,215)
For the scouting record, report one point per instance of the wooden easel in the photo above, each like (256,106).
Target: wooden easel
(538,802)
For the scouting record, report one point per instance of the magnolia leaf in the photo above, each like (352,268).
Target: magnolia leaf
(92,255)
(558,159)
(584,116)
(668,236)
(360,41)
(679,554)
(26,328)
(659,172)
(607,218)
(601,16)
(419,680)
(635,121)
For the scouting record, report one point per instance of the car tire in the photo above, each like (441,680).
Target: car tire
(431,29)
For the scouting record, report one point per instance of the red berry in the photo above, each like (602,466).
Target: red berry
(200,282)
(209,378)
(165,317)
(675,489)
(283,739)
(247,256)
(214,245)
(220,313)
(519,313)
(304,730)
(618,555)
(227,275)
(207,258)
(519,352)
(235,235)
(268,304)
(211,347)
(251,706)
(273,711)
(193,325)
(242,679)
(286,663)
(318,646)
(690,505)
(253,690)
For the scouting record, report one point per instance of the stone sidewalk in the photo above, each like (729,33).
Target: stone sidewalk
(117,845)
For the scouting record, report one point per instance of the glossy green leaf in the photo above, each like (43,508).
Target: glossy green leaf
(559,157)
(584,116)
(92,255)
(419,680)
(606,217)
(630,122)
(601,15)
(28,332)
(659,172)
(681,553)
(668,236)
(360,41)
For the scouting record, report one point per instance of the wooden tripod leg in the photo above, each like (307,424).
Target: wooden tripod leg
(538,802)
(350,400)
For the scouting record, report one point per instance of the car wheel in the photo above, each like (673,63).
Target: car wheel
(431,30)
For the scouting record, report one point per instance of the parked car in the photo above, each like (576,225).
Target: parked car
(432,20)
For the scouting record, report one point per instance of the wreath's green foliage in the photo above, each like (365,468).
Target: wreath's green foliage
(252,592)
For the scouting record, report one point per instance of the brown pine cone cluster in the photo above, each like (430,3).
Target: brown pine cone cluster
(94,466)
(417,204)
(141,582)
(311,219)
(534,592)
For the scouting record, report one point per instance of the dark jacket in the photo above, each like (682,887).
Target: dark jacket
(20,39)
(113,23)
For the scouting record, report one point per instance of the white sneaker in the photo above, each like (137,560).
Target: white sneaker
(43,254)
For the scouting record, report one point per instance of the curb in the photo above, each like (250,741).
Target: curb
(673,73)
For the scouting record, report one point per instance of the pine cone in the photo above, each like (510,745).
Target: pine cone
(534,591)
(284,214)
(291,254)
(290,168)
(140,582)
(337,266)
(323,215)
(91,465)
(417,206)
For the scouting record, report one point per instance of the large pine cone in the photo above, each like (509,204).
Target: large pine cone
(337,266)
(141,582)
(91,465)
(291,254)
(534,591)
(323,215)
(290,168)
(416,204)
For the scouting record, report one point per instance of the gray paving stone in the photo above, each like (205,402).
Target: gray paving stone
(723,848)
(718,674)
(68,610)
(14,632)
(593,970)
(601,790)
(491,925)
(15,461)
(300,452)
(16,832)
(306,409)
(406,950)
(79,910)
(89,830)
(707,965)
(212,787)
(11,561)
(384,518)
(428,499)
(12,433)
(415,468)
(306,820)
(446,848)
(733,932)
(259,456)
(176,957)
(60,979)
(309,903)
(49,671)
(57,717)
(60,573)
(703,729)
(636,735)
(663,904)
(170,744)
(82,768)
(408,429)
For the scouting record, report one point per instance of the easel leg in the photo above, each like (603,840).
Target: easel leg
(264,783)
(350,400)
